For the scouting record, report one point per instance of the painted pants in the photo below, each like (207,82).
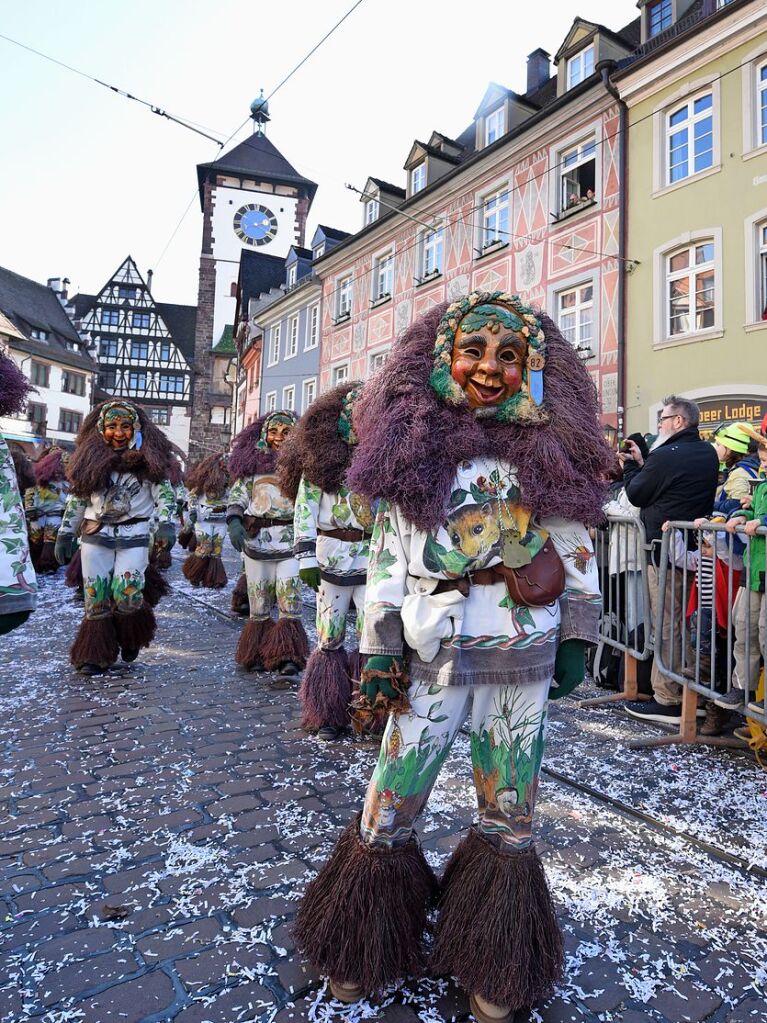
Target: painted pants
(113,579)
(44,528)
(210,538)
(507,739)
(333,603)
(270,582)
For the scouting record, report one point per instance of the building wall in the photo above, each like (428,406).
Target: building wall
(250,401)
(539,261)
(726,366)
(293,372)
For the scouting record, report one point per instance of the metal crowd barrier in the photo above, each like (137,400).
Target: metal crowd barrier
(621,553)
(716,648)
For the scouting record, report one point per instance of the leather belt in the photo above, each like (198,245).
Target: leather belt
(482,577)
(347,535)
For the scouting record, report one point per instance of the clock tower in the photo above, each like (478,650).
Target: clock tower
(253,199)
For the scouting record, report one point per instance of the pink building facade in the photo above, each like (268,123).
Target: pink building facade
(527,200)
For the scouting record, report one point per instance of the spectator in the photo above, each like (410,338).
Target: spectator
(677,481)
(736,449)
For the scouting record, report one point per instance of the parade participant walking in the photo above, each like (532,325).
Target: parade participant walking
(260,523)
(481,436)
(332,533)
(208,486)
(18,584)
(45,503)
(118,478)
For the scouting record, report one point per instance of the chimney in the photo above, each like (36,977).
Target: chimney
(59,288)
(149,276)
(538,69)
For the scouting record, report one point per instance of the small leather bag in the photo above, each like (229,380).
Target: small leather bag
(538,584)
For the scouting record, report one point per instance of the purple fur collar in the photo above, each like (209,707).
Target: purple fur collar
(14,387)
(248,460)
(411,441)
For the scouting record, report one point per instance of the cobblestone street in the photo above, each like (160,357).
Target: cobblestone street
(159,825)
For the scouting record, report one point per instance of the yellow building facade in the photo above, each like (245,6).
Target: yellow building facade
(696,289)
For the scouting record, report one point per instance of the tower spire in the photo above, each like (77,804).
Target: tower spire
(259,111)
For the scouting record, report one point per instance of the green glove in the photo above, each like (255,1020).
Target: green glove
(569,667)
(376,677)
(310,576)
(237,533)
(166,534)
(64,550)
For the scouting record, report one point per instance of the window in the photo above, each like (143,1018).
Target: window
(383,276)
(73,383)
(139,349)
(763,270)
(433,252)
(576,315)
(40,374)
(577,171)
(108,348)
(309,393)
(319,251)
(761,104)
(110,318)
(340,374)
(160,416)
(274,345)
(38,335)
(580,66)
(140,320)
(136,381)
(344,293)
(108,379)
(659,17)
(377,360)
(289,397)
(371,211)
(124,292)
(165,351)
(292,274)
(313,332)
(495,125)
(418,178)
(690,138)
(292,337)
(495,219)
(690,290)
(171,383)
(69,422)
(271,401)
(37,414)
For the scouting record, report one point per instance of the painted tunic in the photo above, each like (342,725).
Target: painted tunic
(485,638)
(261,496)
(141,500)
(209,509)
(47,498)
(18,584)
(343,562)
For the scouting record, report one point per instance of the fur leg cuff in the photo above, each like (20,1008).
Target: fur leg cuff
(135,629)
(194,569)
(48,561)
(240,596)
(362,918)
(215,574)
(74,574)
(155,586)
(95,642)
(249,651)
(497,932)
(326,690)
(286,642)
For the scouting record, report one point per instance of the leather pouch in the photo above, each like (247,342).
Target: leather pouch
(538,584)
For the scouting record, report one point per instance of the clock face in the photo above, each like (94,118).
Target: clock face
(255,225)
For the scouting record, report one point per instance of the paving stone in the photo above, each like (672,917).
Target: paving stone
(240,1003)
(223,963)
(82,976)
(130,1000)
(690,1001)
(752,1010)
(295,974)
(179,941)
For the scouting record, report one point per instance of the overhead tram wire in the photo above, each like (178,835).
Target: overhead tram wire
(239,128)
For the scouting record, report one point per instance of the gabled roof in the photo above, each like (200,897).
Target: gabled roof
(424,149)
(331,233)
(259,273)
(181,321)
(225,344)
(32,306)
(296,253)
(628,36)
(256,157)
(386,186)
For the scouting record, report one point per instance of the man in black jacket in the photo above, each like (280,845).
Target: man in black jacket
(677,481)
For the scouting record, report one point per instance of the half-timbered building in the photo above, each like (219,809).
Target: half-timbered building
(144,348)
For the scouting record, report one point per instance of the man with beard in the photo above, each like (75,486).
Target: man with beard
(677,481)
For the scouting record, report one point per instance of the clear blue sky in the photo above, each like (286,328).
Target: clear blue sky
(87,177)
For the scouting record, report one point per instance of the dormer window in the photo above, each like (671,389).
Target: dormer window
(495,125)
(319,251)
(660,15)
(38,335)
(418,178)
(580,67)
(292,275)
(371,211)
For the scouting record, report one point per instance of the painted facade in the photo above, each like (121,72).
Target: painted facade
(697,219)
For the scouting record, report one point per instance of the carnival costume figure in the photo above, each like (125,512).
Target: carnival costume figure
(45,503)
(208,486)
(332,529)
(481,438)
(18,584)
(260,523)
(118,478)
